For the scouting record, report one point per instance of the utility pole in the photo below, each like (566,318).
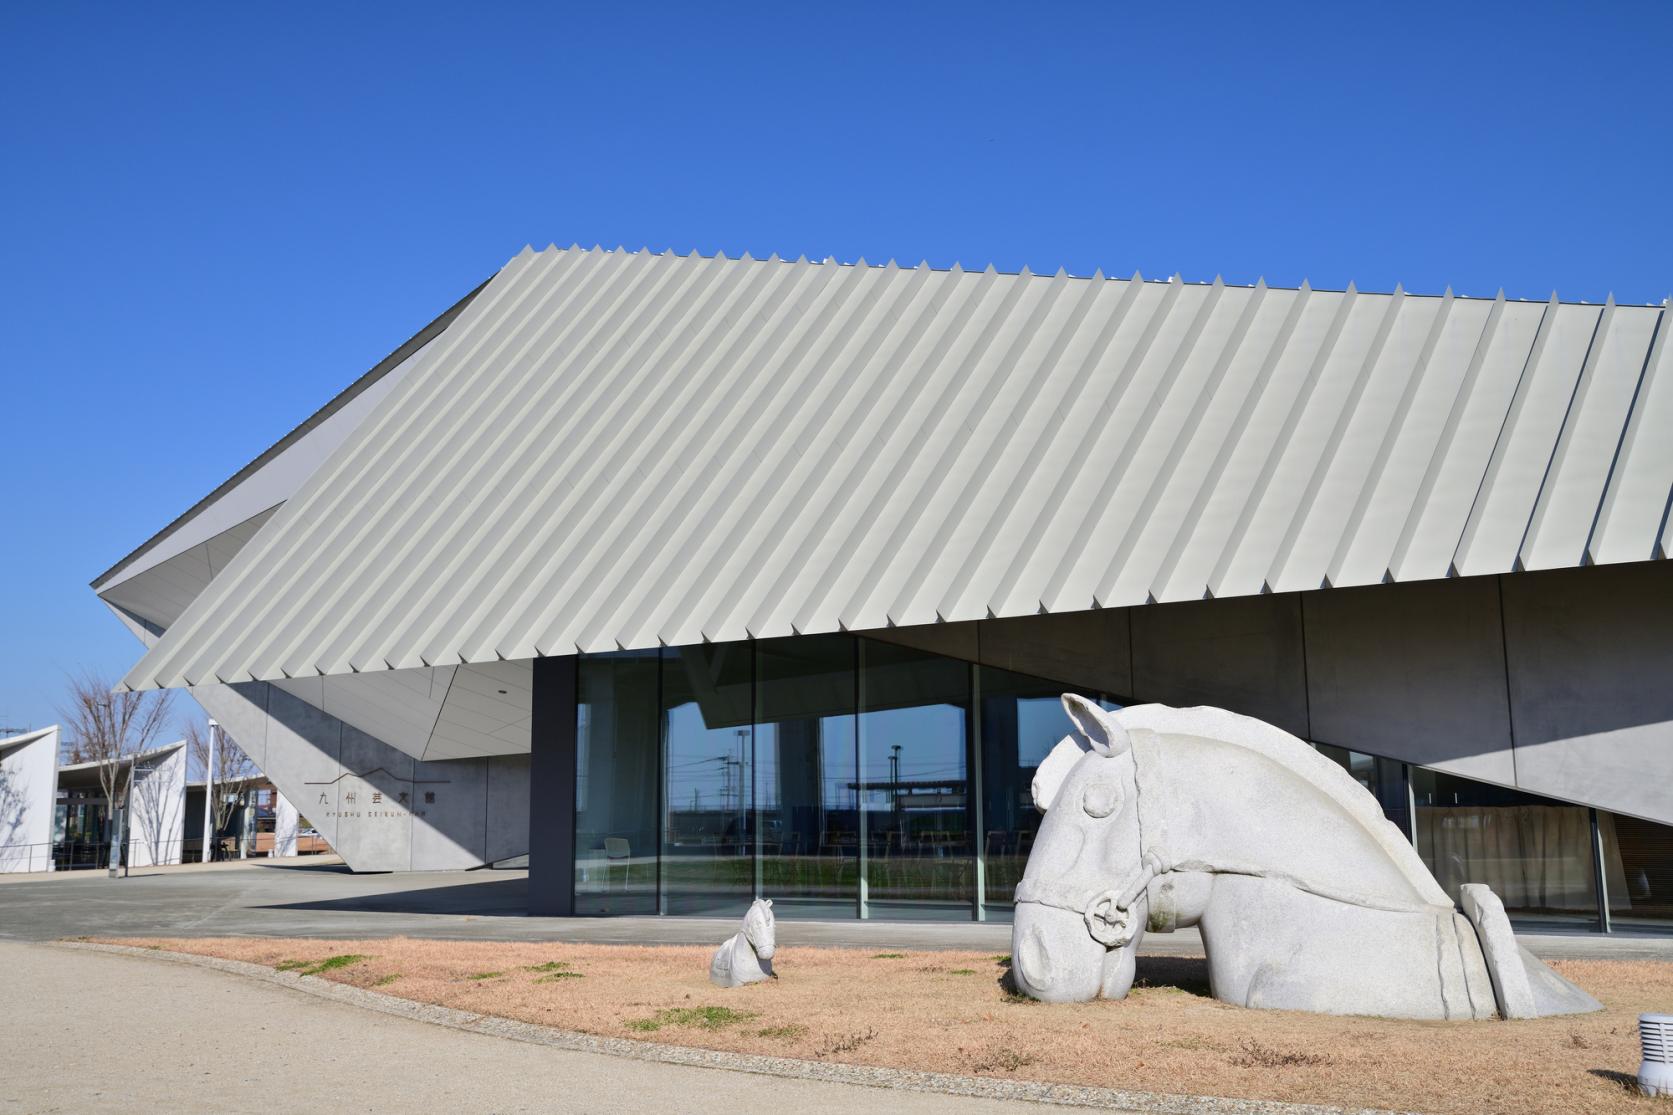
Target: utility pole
(894,781)
(209,797)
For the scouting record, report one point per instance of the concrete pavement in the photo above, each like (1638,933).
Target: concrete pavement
(85,1031)
(307,898)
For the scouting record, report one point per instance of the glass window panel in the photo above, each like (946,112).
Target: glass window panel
(1384,778)
(1022,720)
(616,784)
(1535,853)
(806,795)
(708,866)
(1638,868)
(914,785)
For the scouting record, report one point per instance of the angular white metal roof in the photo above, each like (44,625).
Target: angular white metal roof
(610,449)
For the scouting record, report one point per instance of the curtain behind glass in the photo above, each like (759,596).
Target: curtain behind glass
(1535,853)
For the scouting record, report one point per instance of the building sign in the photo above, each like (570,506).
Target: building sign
(374,807)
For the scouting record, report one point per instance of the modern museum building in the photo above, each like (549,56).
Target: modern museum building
(691,578)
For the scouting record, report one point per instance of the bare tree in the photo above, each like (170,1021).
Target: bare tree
(110,728)
(70,751)
(14,808)
(235,772)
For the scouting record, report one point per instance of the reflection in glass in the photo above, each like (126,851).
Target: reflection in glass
(1638,867)
(708,865)
(806,803)
(1535,853)
(832,774)
(914,783)
(616,784)
(1022,720)
(1384,778)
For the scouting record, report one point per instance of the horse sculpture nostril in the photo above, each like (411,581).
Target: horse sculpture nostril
(1032,959)
(1052,958)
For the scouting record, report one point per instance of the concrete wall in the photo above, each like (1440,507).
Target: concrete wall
(1559,683)
(285,825)
(378,807)
(1089,649)
(1413,671)
(1591,684)
(1244,653)
(28,785)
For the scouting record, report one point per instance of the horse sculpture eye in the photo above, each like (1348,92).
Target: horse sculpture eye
(1101,799)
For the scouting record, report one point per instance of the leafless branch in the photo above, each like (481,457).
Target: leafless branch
(110,728)
(234,770)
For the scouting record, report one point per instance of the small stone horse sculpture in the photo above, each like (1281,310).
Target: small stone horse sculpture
(747,956)
(1306,896)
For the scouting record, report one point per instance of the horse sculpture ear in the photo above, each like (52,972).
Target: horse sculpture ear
(1101,730)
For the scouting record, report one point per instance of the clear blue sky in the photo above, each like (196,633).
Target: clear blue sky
(212,217)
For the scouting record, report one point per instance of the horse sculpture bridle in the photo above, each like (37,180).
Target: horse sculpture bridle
(1108,913)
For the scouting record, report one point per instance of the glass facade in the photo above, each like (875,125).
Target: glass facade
(1534,852)
(850,777)
(1638,867)
(1386,779)
(617,781)
(840,776)
(806,776)
(1021,720)
(915,783)
(708,756)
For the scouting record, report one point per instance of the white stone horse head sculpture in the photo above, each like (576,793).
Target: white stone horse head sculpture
(747,955)
(1306,896)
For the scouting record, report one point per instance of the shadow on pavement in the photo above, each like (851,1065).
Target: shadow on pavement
(309,868)
(500,898)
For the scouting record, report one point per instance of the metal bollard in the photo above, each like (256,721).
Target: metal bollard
(1655,1072)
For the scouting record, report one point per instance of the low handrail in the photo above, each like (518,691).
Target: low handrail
(93,855)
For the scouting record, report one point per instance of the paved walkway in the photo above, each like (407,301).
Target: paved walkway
(88,1031)
(307,898)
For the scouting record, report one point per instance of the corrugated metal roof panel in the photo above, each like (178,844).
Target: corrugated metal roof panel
(618,450)
(1414,426)
(1641,476)
(1574,485)
(1453,478)
(1499,521)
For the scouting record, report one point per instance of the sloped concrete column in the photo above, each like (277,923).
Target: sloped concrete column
(552,787)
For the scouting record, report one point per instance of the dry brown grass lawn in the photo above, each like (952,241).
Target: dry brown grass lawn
(949,1012)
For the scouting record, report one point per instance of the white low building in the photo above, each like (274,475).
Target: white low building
(55,817)
(28,779)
